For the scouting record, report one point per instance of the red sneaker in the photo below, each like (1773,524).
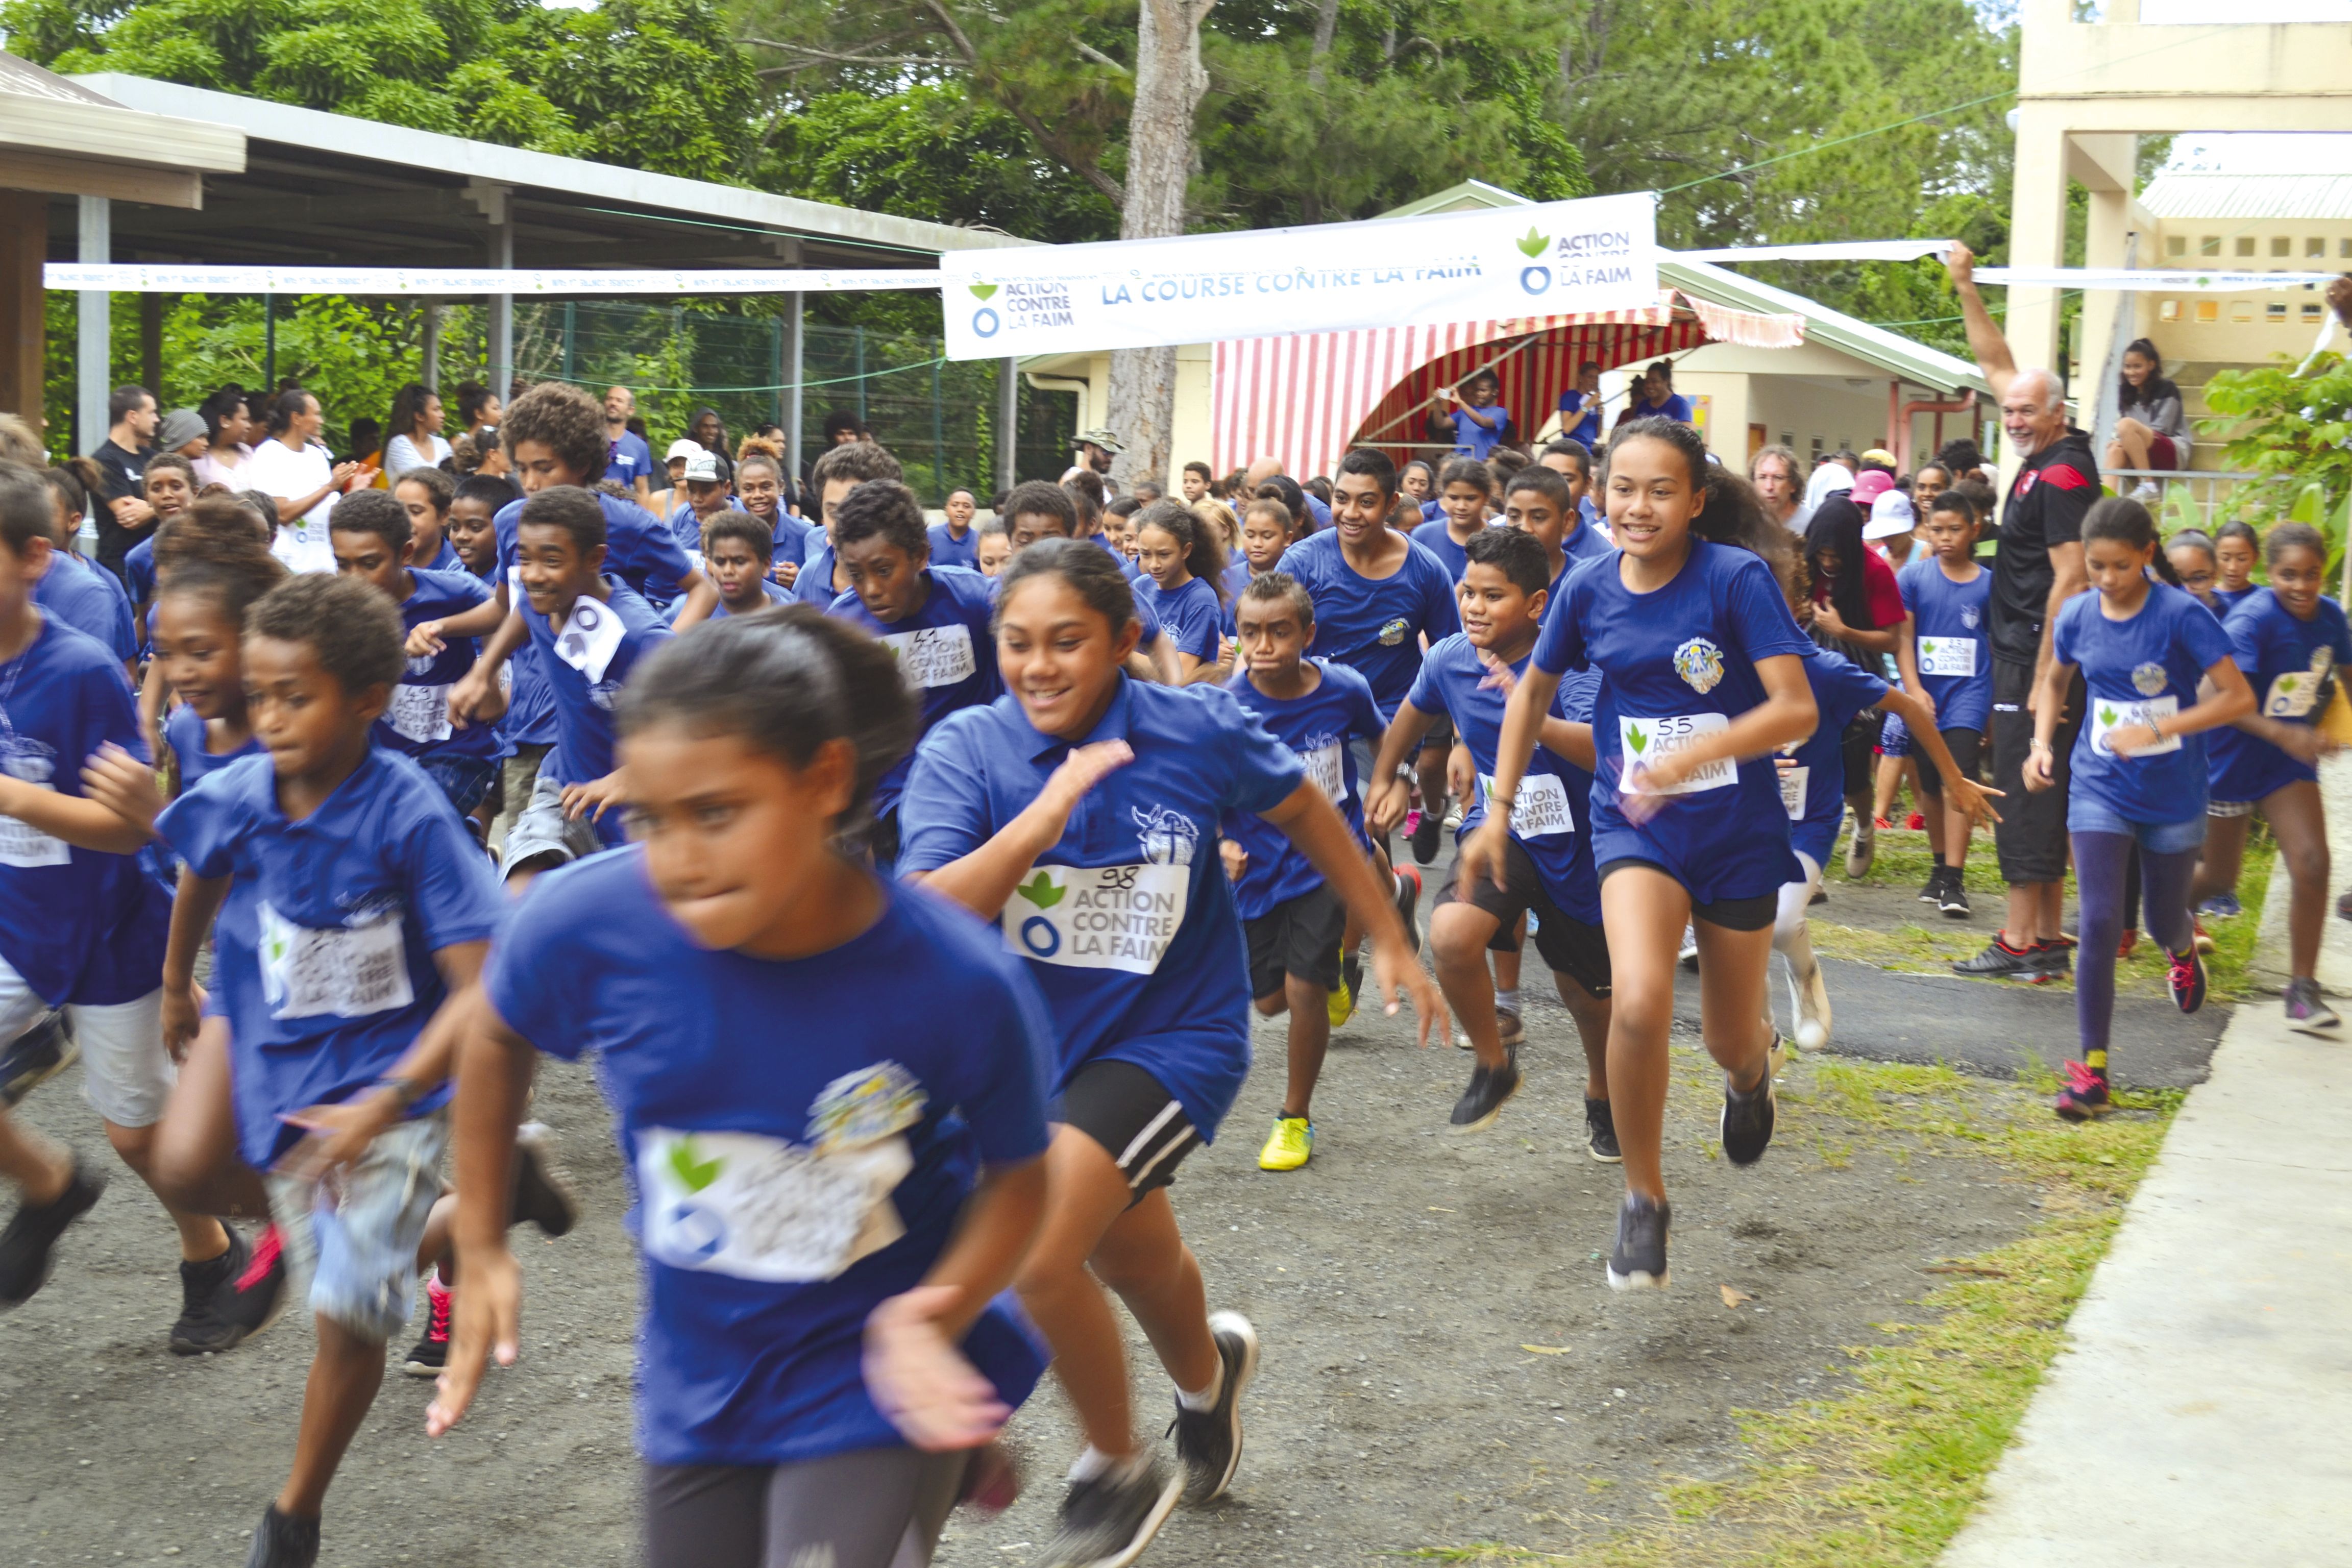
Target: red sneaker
(1916,822)
(2085,1098)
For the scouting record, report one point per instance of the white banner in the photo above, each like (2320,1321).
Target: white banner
(131,279)
(1553,258)
(2147,279)
(1840,250)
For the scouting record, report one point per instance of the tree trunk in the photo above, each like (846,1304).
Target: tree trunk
(1169,82)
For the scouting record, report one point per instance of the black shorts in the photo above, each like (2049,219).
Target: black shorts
(1440,738)
(2031,833)
(1967,747)
(1568,945)
(1300,937)
(1732,914)
(1858,749)
(1138,1122)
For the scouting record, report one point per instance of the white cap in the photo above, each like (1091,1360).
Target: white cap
(1890,514)
(682,447)
(701,468)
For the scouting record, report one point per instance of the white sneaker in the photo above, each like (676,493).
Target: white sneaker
(1689,954)
(1864,850)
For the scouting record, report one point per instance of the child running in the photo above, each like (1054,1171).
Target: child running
(736,556)
(1702,665)
(1538,500)
(821,579)
(370,903)
(1465,488)
(2236,548)
(1291,920)
(1947,596)
(1548,866)
(2140,776)
(2290,641)
(837,1175)
(1182,570)
(1079,811)
(425,494)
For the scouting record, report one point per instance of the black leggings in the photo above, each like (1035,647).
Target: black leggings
(870,1508)
(2099,883)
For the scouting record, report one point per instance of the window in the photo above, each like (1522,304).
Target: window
(2275,314)
(2281,245)
(2242,310)
(2245,245)
(2208,311)
(2315,245)
(2208,245)
(2168,311)
(1787,439)
(2311,315)
(2344,248)
(2175,245)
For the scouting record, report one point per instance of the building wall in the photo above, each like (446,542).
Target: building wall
(2240,328)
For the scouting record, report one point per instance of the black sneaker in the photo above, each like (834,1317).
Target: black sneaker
(27,1248)
(431,1352)
(1489,1088)
(1209,1442)
(1351,974)
(1746,1125)
(284,1542)
(538,1196)
(1639,1260)
(1408,898)
(2000,961)
(1601,1133)
(1955,899)
(2307,1013)
(35,1057)
(1821,896)
(2185,973)
(206,1288)
(1107,1522)
(1427,834)
(1933,893)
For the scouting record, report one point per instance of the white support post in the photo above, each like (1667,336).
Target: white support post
(93,343)
(795,350)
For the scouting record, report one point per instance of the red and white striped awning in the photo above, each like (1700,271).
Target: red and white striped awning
(1306,399)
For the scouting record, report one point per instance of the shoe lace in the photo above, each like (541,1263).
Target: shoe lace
(2183,969)
(265,1251)
(439,1301)
(2081,1079)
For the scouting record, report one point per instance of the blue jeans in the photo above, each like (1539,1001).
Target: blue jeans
(2084,814)
(465,779)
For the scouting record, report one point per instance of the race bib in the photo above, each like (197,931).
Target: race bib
(348,972)
(935,655)
(1103,917)
(24,846)
(1324,765)
(1647,741)
(421,713)
(2110,714)
(1541,808)
(590,636)
(2294,694)
(765,1208)
(1792,791)
(1947,656)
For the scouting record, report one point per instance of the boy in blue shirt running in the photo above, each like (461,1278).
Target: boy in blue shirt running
(736,555)
(370,904)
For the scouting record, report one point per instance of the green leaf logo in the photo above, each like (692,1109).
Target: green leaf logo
(1927,646)
(696,1174)
(1636,738)
(2107,716)
(1040,890)
(1531,244)
(2287,683)
(982,290)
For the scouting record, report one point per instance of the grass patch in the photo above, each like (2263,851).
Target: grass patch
(1884,1476)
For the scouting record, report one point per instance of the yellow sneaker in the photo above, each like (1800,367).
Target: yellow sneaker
(1340,1004)
(1289,1145)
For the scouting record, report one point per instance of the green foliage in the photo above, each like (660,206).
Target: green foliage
(2296,430)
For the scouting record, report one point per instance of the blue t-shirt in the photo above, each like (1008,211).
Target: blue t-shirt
(1575,550)
(1586,428)
(1842,689)
(1318,512)
(1676,663)
(628,459)
(1553,817)
(184,732)
(585,687)
(638,548)
(1437,538)
(1949,619)
(1472,439)
(814,585)
(2289,664)
(348,905)
(139,568)
(791,539)
(1192,615)
(417,722)
(91,599)
(2134,671)
(1375,624)
(1677,406)
(1317,729)
(947,650)
(947,549)
(685,528)
(446,559)
(779,1115)
(1125,921)
(76,925)
(2231,598)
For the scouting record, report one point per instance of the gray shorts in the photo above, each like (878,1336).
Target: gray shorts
(542,831)
(870,1508)
(126,1073)
(354,1239)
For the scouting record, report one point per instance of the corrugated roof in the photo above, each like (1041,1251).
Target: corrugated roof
(2276,196)
(27,80)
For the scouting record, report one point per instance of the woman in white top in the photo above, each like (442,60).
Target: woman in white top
(296,471)
(224,458)
(415,432)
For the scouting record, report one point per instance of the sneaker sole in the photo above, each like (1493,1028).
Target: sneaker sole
(419,1369)
(276,1307)
(1143,1532)
(1241,1378)
(1640,1279)
(2329,1028)
(1618,1159)
(1486,1121)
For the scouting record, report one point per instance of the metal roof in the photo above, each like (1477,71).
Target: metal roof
(334,190)
(2285,197)
(58,136)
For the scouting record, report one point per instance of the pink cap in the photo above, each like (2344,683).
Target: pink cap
(1869,485)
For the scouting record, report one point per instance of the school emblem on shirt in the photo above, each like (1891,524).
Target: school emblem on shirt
(1392,633)
(31,761)
(864,1107)
(1167,836)
(422,664)
(2148,678)
(1971,615)
(1700,664)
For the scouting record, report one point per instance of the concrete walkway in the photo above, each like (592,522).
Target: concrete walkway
(2202,1413)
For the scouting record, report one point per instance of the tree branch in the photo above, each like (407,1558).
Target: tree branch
(1062,153)
(832,57)
(1097,55)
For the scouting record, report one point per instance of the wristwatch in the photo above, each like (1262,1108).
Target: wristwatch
(403,1089)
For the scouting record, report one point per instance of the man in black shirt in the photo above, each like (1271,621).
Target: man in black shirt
(2037,567)
(121,458)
